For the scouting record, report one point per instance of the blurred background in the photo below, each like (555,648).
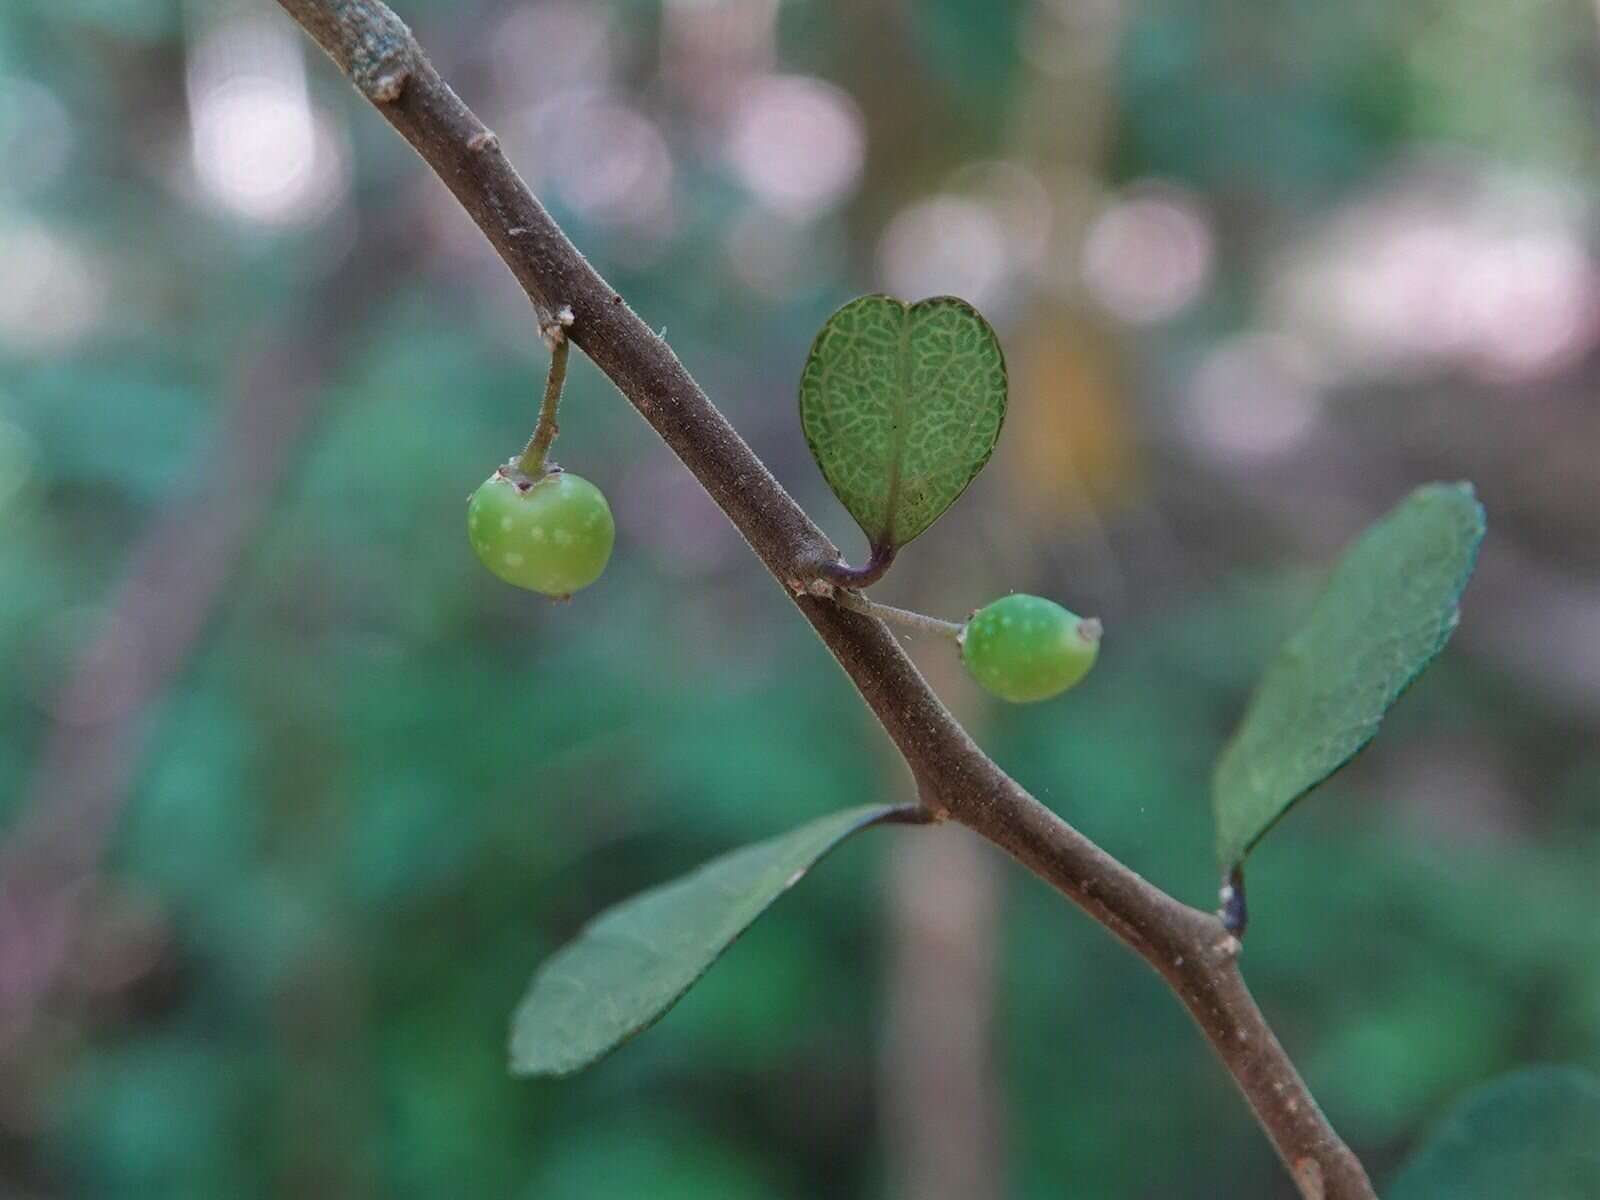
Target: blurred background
(294,795)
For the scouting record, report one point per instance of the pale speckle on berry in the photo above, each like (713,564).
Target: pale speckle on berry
(513,559)
(562,537)
(505,524)
(537,533)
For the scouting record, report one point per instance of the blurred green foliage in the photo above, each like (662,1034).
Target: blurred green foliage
(385,785)
(1531,1134)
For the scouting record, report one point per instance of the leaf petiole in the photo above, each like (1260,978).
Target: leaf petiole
(1234,913)
(843,575)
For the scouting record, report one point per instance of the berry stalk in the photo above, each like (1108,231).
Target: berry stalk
(920,622)
(532,461)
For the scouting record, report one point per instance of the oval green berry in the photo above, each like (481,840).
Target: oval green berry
(551,535)
(1025,648)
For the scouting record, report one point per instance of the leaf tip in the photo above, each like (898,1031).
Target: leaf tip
(523,1057)
(533,1052)
(1462,493)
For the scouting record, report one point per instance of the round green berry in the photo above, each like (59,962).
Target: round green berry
(550,535)
(1025,648)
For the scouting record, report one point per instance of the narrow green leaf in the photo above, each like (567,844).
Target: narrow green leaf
(1534,1134)
(1390,607)
(901,405)
(633,962)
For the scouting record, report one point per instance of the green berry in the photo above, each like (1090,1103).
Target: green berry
(1025,648)
(550,535)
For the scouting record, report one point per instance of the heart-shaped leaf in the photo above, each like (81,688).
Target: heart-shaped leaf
(1389,608)
(1532,1134)
(901,405)
(633,962)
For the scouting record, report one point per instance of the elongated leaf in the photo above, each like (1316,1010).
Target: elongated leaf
(1389,608)
(634,961)
(901,405)
(1535,1134)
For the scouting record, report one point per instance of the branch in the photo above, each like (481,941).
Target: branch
(1188,948)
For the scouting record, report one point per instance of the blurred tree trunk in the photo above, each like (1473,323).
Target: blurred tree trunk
(944,1106)
(942,1100)
(178,575)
